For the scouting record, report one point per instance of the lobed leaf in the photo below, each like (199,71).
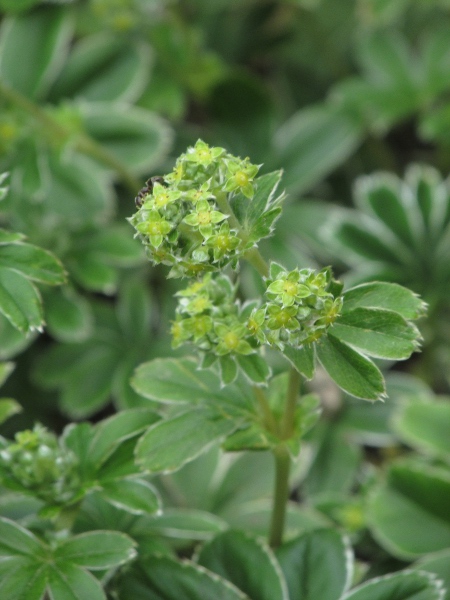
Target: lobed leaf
(387,296)
(405,585)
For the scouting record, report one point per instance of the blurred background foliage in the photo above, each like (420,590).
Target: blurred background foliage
(351,99)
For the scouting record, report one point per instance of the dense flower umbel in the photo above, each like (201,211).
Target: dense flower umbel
(302,304)
(181,223)
(38,463)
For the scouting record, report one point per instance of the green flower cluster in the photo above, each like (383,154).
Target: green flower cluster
(302,305)
(38,463)
(209,317)
(185,223)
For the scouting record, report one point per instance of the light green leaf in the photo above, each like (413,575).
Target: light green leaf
(162,578)
(247,562)
(171,443)
(20,301)
(351,371)
(170,380)
(405,585)
(6,368)
(16,540)
(32,262)
(136,137)
(302,359)
(377,332)
(10,237)
(437,564)
(386,60)
(103,68)
(8,408)
(313,142)
(425,426)
(135,496)
(32,47)
(22,578)
(96,550)
(318,564)
(67,581)
(388,296)
(184,523)
(408,513)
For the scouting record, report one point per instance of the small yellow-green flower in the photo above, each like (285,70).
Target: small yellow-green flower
(231,339)
(241,176)
(155,227)
(204,218)
(203,154)
(161,197)
(224,242)
(288,288)
(282,317)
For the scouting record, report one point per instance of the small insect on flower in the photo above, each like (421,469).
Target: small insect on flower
(147,189)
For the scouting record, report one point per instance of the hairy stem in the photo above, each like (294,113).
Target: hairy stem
(283,463)
(81,141)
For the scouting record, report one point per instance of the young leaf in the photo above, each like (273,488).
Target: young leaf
(351,371)
(405,585)
(171,443)
(135,496)
(96,550)
(377,332)
(388,296)
(162,578)
(247,562)
(318,564)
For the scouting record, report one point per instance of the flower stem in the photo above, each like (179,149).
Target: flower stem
(283,463)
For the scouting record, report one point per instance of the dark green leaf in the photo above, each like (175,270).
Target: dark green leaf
(313,142)
(67,581)
(32,262)
(169,444)
(162,578)
(20,302)
(388,296)
(135,496)
(248,563)
(16,540)
(254,367)
(184,523)
(22,578)
(103,68)
(96,550)
(137,138)
(399,586)
(31,48)
(377,332)
(351,371)
(408,514)
(228,369)
(68,315)
(316,565)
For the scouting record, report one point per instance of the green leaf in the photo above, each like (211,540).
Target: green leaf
(228,369)
(32,262)
(247,562)
(399,586)
(8,408)
(31,48)
(436,564)
(386,60)
(408,513)
(114,246)
(68,315)
(13,341)
(20,302)
(184,523)
(335,461)
(96,550)
(171,443)
(171,380)
(302,359)
(351,371)
(388,296)
(377,332)
(255,367)
(137,138)
(135,496)
(103,68)
(22,578)
(313,142)
(67,581)
(162,578)
(318,564)
(425,426)
(6,368)
(10,237)
(16,540)
(113,431)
